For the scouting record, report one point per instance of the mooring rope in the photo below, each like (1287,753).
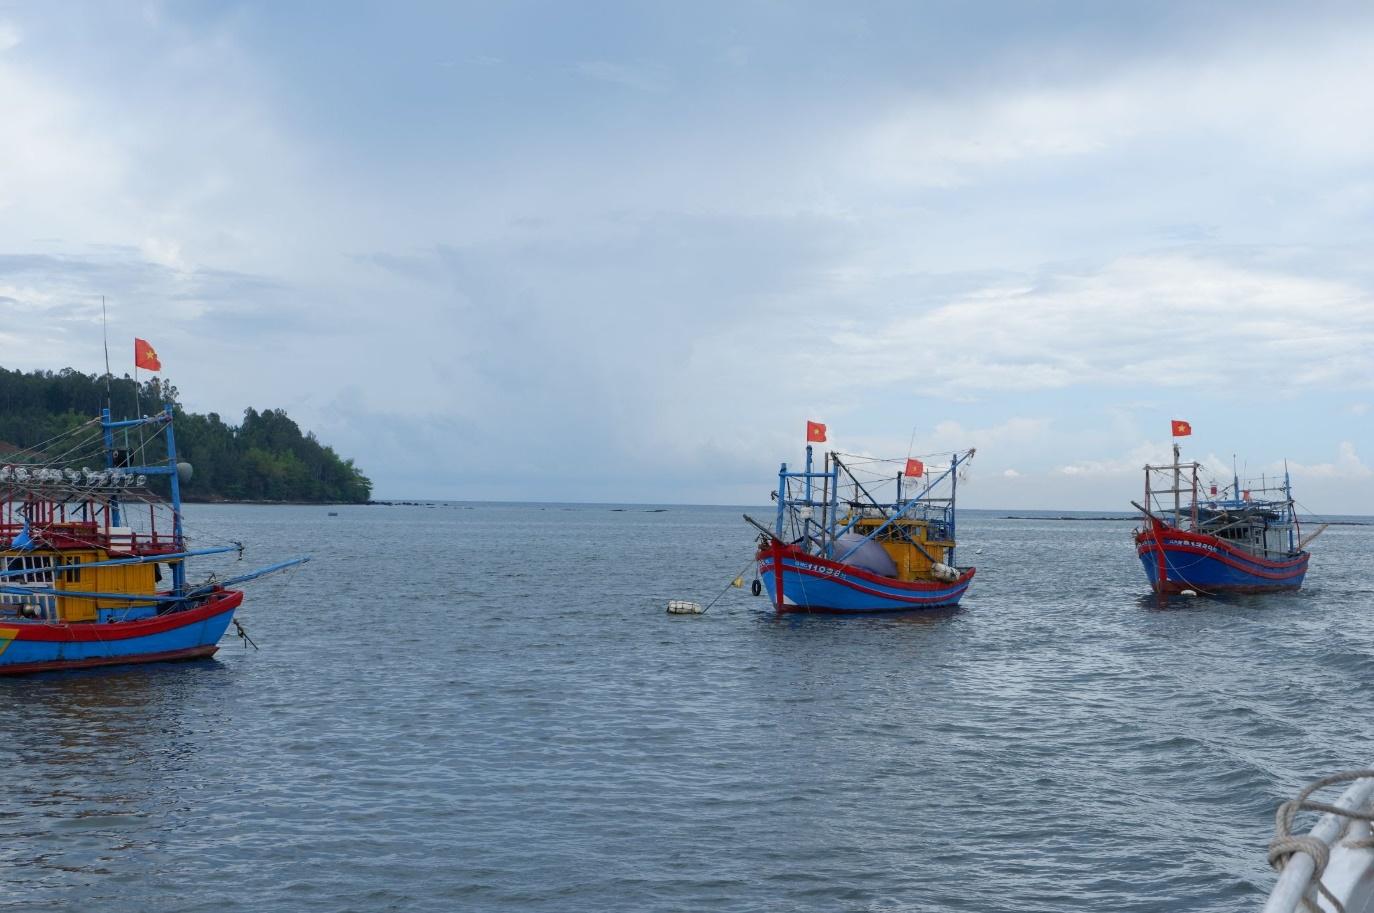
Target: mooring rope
(1285,843)
(738,576)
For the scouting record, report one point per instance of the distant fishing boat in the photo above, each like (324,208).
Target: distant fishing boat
(1239,539)
(862,535)
(82,551)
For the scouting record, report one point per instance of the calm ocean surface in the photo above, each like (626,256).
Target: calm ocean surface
(484,707)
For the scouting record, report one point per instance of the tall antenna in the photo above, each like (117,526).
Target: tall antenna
(105,332)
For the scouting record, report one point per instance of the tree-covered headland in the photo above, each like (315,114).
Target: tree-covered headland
(266,458)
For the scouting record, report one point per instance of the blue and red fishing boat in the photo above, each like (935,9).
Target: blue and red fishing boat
(1213,539)
(862,535)
(82,553)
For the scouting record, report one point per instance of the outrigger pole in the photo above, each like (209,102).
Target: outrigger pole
(254,575)
(133,597)
(146,559)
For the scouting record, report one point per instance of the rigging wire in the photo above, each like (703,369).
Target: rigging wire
(20,455)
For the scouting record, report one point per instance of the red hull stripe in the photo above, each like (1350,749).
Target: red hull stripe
(1220,545)
(1223,559)
(1272,570)
(795,554)
(165,656)
(121,630)
(919,591)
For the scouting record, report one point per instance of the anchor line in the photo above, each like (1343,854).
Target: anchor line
(727,587)
(243,635)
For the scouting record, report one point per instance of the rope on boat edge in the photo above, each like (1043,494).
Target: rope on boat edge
(1285,844)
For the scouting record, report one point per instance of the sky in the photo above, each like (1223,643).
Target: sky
(624,251)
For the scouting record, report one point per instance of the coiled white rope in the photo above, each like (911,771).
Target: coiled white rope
(1285,844)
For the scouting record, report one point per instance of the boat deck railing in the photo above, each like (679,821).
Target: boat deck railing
(10,603)
(113,539)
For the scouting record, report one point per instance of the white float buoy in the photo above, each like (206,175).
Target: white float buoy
(944,572)
(1187,592)
(684,607)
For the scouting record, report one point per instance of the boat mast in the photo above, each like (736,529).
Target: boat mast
(1294,531)
(825,504)
(782,498)
(953,486)
(179,567)
(107,428)
(1178,517)
(834,499)
(1195,493)
(105,336)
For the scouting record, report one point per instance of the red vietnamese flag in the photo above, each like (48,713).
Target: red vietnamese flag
(1181,428)
(815,433)
(145,356)
(914,468)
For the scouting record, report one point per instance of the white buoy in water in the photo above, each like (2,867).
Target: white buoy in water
(1187,592)
(684,607)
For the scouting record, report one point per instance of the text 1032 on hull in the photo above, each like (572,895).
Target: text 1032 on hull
(863,535)
(82,552)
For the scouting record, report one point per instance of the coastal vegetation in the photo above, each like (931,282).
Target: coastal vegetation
(265,458)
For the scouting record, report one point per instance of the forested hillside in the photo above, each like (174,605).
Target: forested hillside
(266,458)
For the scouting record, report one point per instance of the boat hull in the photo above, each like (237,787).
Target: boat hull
(799,582)
(189,634)
(1176,560)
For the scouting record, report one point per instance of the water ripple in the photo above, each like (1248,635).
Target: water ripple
(520,727)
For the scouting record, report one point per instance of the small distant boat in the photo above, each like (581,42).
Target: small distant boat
(1331,867)
(1239,539)
(862,535)
(82,552)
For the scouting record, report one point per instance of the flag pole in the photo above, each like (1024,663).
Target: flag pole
(105,333)
(138,412)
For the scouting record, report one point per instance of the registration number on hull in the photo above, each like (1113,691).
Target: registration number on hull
(821,569)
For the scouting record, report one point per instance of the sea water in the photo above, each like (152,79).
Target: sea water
(486,707)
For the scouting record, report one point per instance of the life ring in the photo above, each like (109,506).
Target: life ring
(756,587)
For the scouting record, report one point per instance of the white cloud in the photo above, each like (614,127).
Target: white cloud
(163,252)
(1157,321)
(1347,465)
(1228,92)
(1011,474)
(641,78)
(9,36)
(1131,463)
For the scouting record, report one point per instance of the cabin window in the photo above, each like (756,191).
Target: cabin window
(30,569)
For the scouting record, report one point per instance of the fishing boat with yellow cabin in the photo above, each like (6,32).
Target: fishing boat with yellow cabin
(862,535)
(82,553)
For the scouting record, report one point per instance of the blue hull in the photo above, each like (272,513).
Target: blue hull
(1176,560)
(41,647)
(798,582)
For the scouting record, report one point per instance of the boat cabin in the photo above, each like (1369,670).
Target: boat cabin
(914,545)
(76,531)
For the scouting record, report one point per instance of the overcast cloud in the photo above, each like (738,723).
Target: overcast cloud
(623,251)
